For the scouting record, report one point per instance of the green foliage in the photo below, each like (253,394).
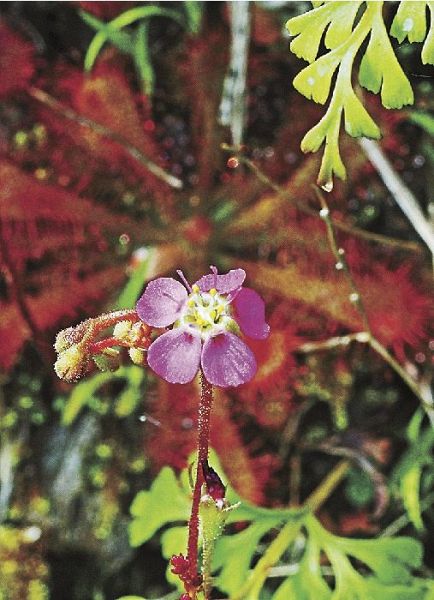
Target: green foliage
(379,71)
(85,393)
(386,564)
(135,41)
(407,475)
(389,562)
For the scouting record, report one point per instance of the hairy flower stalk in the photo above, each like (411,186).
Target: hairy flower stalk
(205,405)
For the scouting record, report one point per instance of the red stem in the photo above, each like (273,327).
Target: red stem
(205,404)
(97,347)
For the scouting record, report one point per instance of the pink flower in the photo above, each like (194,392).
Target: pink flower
(208,319)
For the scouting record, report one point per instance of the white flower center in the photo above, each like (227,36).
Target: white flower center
(207,312)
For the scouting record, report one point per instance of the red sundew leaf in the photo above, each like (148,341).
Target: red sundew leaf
(398,311)
(36,217)
(207,83)
(50,306)
(105,10)
(176,408)
(16,61)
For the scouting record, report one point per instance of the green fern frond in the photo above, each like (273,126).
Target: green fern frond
(344,31)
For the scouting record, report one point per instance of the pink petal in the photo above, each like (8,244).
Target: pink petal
(223,283)
(227,361)
(162,302)
(175,356)
(250,314)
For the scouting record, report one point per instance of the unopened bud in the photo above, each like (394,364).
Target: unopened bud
(122,330)
(71,363)
(68,337)
(137,356)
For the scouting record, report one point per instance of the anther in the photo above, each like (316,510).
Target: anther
(195,288)
(213,291)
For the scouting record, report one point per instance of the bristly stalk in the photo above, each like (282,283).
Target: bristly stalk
(205,404)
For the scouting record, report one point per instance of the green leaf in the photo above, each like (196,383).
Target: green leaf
(358,122)
(86,390)
(194,11)
(307,583)
(428,47)
(142,59)
(380,69)
(233,555)
(423,119)
(341,24)
(314,80)
(409,21)
(165,502)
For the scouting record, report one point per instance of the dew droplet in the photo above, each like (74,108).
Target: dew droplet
(407,25)
(354,297)
(341,251)
(124,239)
(327,186)
(339,266)
(324,212)
(310,80)
(233,162)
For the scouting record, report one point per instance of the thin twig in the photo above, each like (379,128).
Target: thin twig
(341,261)
(132,150)
(284,193)
(403,196)
(356,297)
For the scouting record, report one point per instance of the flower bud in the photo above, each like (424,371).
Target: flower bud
(137,356)
(71,363)
(67,337)
(122,330)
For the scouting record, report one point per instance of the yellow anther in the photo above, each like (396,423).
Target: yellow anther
(220,309)
(213,314)
(195,288)
(191,303)
(200,322)
(213,291)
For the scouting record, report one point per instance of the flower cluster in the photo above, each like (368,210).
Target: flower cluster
(208,320)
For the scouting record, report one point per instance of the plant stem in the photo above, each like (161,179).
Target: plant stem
(302,206)
(205,405)
(287,535)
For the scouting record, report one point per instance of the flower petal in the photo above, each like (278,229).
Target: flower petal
(175,356)
(223,283)
(250,314)
(227,361)
(162,302)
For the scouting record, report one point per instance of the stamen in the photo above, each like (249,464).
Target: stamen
(215,272)
(195,289)
(213,292)
(184,279)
